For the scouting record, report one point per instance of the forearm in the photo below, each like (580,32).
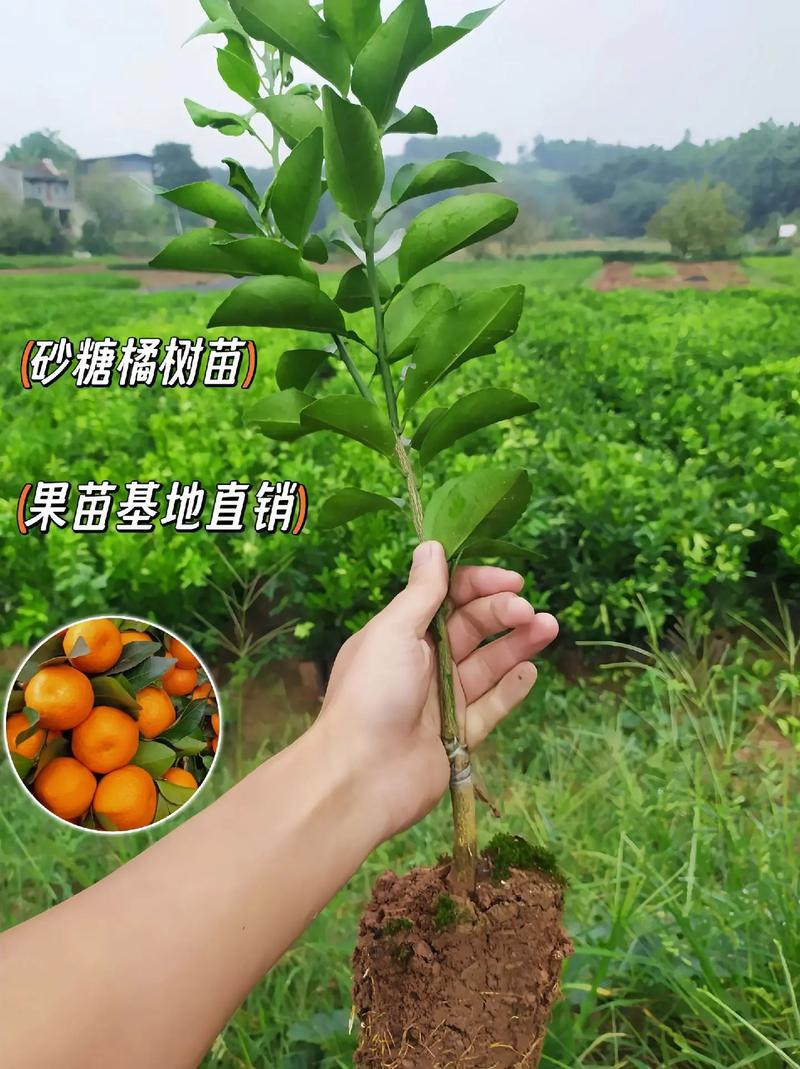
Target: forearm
(148,965)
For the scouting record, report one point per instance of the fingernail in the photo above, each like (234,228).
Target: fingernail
(423,553)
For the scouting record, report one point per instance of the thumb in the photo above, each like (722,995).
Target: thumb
(427,587)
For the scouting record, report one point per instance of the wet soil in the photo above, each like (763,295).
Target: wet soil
(448,983)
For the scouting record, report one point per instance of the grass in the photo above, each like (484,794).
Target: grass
(22,260)
(662,270)
(680,853)
(775,272)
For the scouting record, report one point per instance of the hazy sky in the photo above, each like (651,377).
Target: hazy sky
(111,77)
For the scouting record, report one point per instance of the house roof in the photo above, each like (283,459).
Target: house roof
(124,156)
(46,170)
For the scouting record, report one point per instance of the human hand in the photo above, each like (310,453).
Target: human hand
(382,705)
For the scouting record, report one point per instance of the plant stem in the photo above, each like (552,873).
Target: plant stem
(462,792)
(357,377)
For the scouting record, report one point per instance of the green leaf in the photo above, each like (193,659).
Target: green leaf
(352,416)
(276,301)
(132,655)
(191,745)
(426,424)
(189,720)
(316,250)
(237,69)
(266,256)
(294,117)
(462,506)
(226,122)
(414,181)
(239,180)
(416,121)
(451,225)
(294,27)
(278,416)
(350,503)
(32,718)
(481,548)
(507,511)
(408,313)
(471,328)
(174,793)
(209,249)
(297,189)
(297,367)
(115,691)
(16,702)
(148,672)
(214,202)
(353,159)
(354,293)
(443,37)
(354,21)
(389,56)
(154,757)
(22,765)
(471,413)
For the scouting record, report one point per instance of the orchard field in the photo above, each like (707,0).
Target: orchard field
(665,515)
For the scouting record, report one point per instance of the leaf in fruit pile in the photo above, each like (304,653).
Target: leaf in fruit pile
(50,652)
(408,313)
(58,747)
(354,417)
(237,69)
(294,27)
(386,60)
(416,121)
(16,701)
(214,202)
(475,504)
(354,292)
(188,721)
(297,367)
(189,745)
(294,117)
(174,794)
(154,757)
(297,189)
(354,21)
(32,718)
(443,37)
(240,180)
(414,180)
(276,301)
(451,225)
(116,691)
(278,416)
(350,503)
(22,765)
(148,672)
(354,165)
(132,655)
(471,413)
(225,122)
(472,328)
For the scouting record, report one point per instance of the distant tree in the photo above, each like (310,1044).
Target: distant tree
(174,165)
(42,145)
(575,157)
(117,207)
(31,229)
(423,149)
(697,218)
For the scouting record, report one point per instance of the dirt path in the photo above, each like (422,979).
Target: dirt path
(709,275)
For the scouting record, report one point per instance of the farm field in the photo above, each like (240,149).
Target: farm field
(666,491)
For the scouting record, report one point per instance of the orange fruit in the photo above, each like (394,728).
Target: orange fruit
(213,744)
(215,722)
(61,695)
(107,739)
(104,642)
(179,681)
(181,778)
(157,712)
(134,636)
(126,798)
(204,691)
(65,787)
(15,725)
(182,654)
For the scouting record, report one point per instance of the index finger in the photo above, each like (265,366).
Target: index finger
(480,581)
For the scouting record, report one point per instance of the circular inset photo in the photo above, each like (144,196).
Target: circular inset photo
(112,725)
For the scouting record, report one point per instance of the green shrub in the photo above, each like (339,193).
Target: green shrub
(660,270)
